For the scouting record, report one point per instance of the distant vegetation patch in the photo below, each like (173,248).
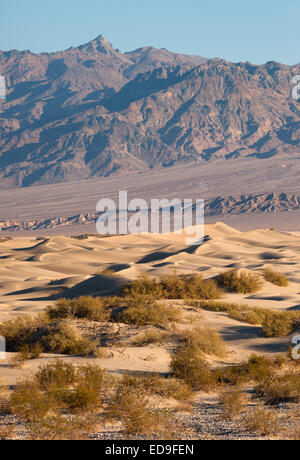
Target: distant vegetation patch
(274,323)
(241,283)
(276,278)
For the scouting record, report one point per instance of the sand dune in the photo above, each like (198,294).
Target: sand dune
(34,273)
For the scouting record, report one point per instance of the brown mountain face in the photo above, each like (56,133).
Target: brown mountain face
(93,111)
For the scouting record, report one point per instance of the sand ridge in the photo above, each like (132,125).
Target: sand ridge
(35,273)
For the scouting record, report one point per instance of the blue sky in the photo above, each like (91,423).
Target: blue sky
(255,31)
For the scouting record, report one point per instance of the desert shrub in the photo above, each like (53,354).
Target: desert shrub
(144,286)
(63,339)
(153,384)
(6,431)
(242,283)
(142,311)
(150,337)
(278,324)
(59,373)
(132,408)
(262,421)
(27,352)
(22,331)
(189,365)
(59,388)
(4,402)
(280,388)
(207,340)
(82,398)
(256,369)
(29,402)
(91,308)
(175,287)
(276,278)
(274,323)
(233,402)
(60,428)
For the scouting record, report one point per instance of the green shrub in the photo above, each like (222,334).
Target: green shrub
(276,278)
(242,283)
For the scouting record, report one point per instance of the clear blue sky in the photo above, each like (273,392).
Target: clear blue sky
(237,30)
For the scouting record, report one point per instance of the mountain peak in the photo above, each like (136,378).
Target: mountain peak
(100,44)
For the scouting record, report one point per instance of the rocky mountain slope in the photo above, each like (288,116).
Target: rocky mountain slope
(222,206)
(92,111)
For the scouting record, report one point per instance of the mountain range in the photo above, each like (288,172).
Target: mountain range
(93,111)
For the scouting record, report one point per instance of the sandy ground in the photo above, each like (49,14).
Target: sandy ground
(33,274)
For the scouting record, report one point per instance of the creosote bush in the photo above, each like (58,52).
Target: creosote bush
(206,340)
(274,323)
(189,365)
(233,402)
(242,283)
(151,337)
(90,308)
(262,421)
(140,310)
(276,278)
(174,287)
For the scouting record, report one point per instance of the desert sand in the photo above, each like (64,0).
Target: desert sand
(33,274)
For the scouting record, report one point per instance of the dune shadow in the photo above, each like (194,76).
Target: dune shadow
(275,347)
(97,285)
(234,333)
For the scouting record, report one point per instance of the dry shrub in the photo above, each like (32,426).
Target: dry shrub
(60,428)
(257,369)
(233,403)
(206,340)
(174,287)
(189,365)
(262,421)
(274,323)
(280,388)
(141,311)
(276,278)
(90,308)
(151,337)
(6,431)
(61,338)
(153,384)
(132,408)
(242,283)
(278,324)
(60,388)
(22,331)
(29,402)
